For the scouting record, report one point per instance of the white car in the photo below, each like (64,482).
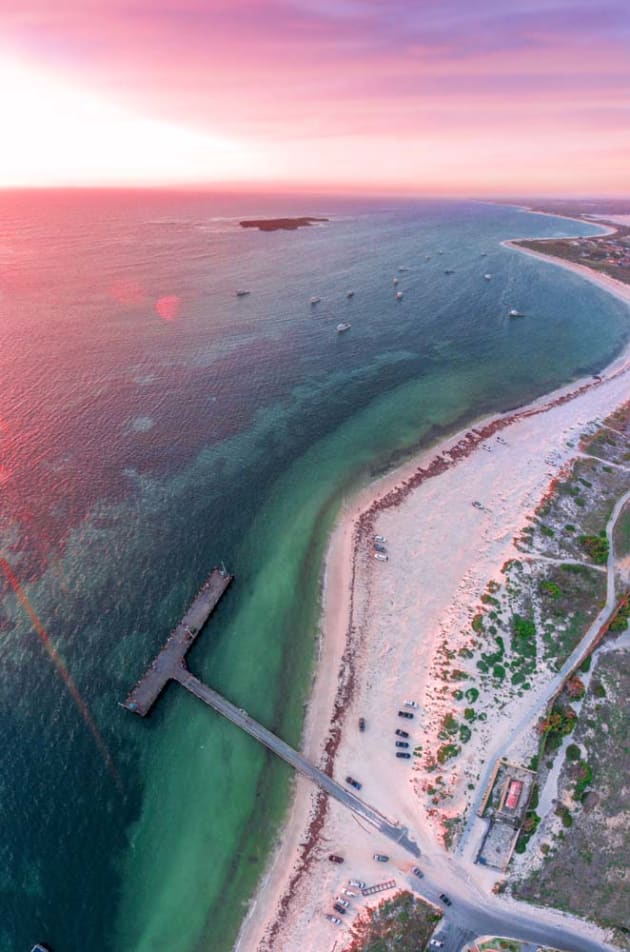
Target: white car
(380,557)
(357,883)
(411,704)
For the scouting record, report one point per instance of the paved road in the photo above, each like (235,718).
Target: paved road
(469,917)
(239,717)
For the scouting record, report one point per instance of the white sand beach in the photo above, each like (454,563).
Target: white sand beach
(388,631)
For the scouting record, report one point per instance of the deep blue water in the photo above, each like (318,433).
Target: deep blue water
(138,450)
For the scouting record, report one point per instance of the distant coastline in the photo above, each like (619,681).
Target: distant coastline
(280,224)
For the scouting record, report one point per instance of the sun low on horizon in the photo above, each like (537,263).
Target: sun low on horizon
(429,97)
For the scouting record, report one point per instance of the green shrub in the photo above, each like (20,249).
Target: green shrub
(596,547)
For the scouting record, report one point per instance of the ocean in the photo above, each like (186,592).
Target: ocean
(154,424)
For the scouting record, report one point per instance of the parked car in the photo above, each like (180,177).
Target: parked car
(417,872)
(361,723)
(339,908)
(400,733)
(354,783)
(406,714)
(402,743)
(403,754)
(357,883)
(412,703)
(335,859)
(342,902)
(436,943)
(446,900)
(381,858)
(381,557)
(333,919)
(379,538)
(348,892)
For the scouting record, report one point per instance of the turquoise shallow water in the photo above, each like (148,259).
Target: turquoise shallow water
(138,451)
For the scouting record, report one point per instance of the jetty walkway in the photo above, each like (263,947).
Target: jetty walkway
(170,665)
(242,719)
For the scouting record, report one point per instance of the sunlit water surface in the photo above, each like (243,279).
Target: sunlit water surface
(152,424)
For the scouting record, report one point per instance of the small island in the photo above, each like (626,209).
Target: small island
(280,224)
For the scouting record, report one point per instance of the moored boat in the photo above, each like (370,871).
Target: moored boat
(343,327)
(515,313)
(399,295)
(242,292)
(315,300)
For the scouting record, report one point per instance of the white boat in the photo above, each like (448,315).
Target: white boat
(315,300)
(515,313)
(488,277)
(484,254)
(395,281)
(242,293)
(349,294)
(427,257)
(343,327)
(399,295)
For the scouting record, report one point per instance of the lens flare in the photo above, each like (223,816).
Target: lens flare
(168,307)
(61,669)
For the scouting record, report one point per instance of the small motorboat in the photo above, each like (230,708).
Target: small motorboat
(488,277)
(349,294)
(341,328)
(395,281)
(315,300)
(399,295)
(449,271)
(242,292)
(515,313)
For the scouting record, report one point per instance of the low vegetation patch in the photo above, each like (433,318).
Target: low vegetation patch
(401,924)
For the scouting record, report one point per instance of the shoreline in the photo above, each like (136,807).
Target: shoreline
(616,288)
(338,665)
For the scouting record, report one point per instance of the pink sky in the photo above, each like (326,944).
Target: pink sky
(485,97)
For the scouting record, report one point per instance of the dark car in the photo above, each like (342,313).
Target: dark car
(353,783)
(335,859)
(446,900)
(402,753)
(400,733)
(339,908)
(361,723)
(406,714)
(379,547)
(381,858)
(417,872)
(402,743)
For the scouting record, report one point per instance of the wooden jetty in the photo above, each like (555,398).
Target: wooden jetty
(170,665)
(164,667)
